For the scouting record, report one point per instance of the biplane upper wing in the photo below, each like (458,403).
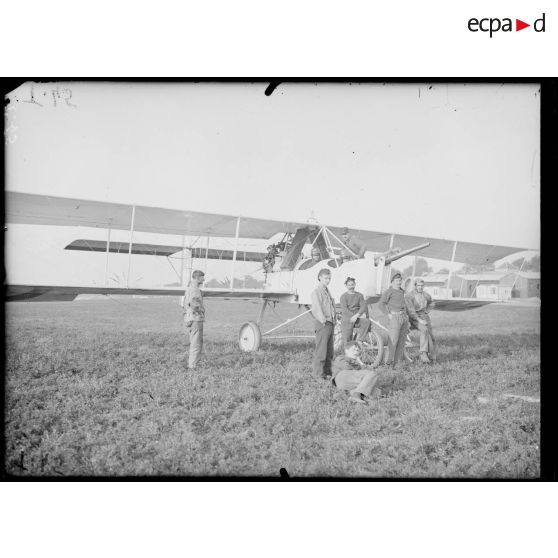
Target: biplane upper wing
(442,249)
(37,209)
(24,208)
(50,210)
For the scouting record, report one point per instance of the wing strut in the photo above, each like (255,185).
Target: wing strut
(107,258)
(206,255)
(235,249)
(474,293)
(330,246)
(182,266)
(130,247)
(452,260)
(517,275)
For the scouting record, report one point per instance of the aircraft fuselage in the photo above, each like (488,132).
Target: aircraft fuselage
(370,279)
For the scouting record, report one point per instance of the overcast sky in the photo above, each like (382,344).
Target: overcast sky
(452,161)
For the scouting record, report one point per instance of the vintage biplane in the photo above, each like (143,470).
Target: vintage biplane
(290,275)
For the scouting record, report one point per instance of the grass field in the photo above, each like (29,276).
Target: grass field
(100,388)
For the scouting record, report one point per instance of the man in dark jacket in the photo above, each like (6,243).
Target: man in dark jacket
(392,303)
(354,313)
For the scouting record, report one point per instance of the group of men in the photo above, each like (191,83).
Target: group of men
(347,372)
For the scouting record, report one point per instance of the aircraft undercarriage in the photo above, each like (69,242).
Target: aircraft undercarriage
(375,348)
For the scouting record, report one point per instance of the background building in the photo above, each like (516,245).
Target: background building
(435,285)
(525,284)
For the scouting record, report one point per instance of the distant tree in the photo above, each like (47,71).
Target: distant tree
(213,284)
(421,268)
(468,268)
(250,282)
(246,282)
(534,264)
(511,266)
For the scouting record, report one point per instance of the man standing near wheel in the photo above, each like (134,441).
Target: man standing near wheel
(392,303)
(323,310)
(194,316)
(421,302)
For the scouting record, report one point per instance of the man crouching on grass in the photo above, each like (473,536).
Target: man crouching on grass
(194,316)
(349,373)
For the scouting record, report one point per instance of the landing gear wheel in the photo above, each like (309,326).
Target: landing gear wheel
(250,337)
(372,350)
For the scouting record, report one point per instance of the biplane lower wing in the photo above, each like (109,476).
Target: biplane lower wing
(250,294)
(38,293)
(460,304)
(450,304)
(87,245)
(49,293)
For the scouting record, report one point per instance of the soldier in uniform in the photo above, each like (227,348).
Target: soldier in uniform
(194,316)
(392,303)
(316,256)
(420,303)
(323,310)
(352,375)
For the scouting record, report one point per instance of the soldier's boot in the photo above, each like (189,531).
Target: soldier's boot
(424,358)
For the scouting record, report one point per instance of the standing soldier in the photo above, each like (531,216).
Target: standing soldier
(421,303)
(323,310)
(393,304)
(194,316)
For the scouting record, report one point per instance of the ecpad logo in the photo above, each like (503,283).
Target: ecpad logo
(493,25)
